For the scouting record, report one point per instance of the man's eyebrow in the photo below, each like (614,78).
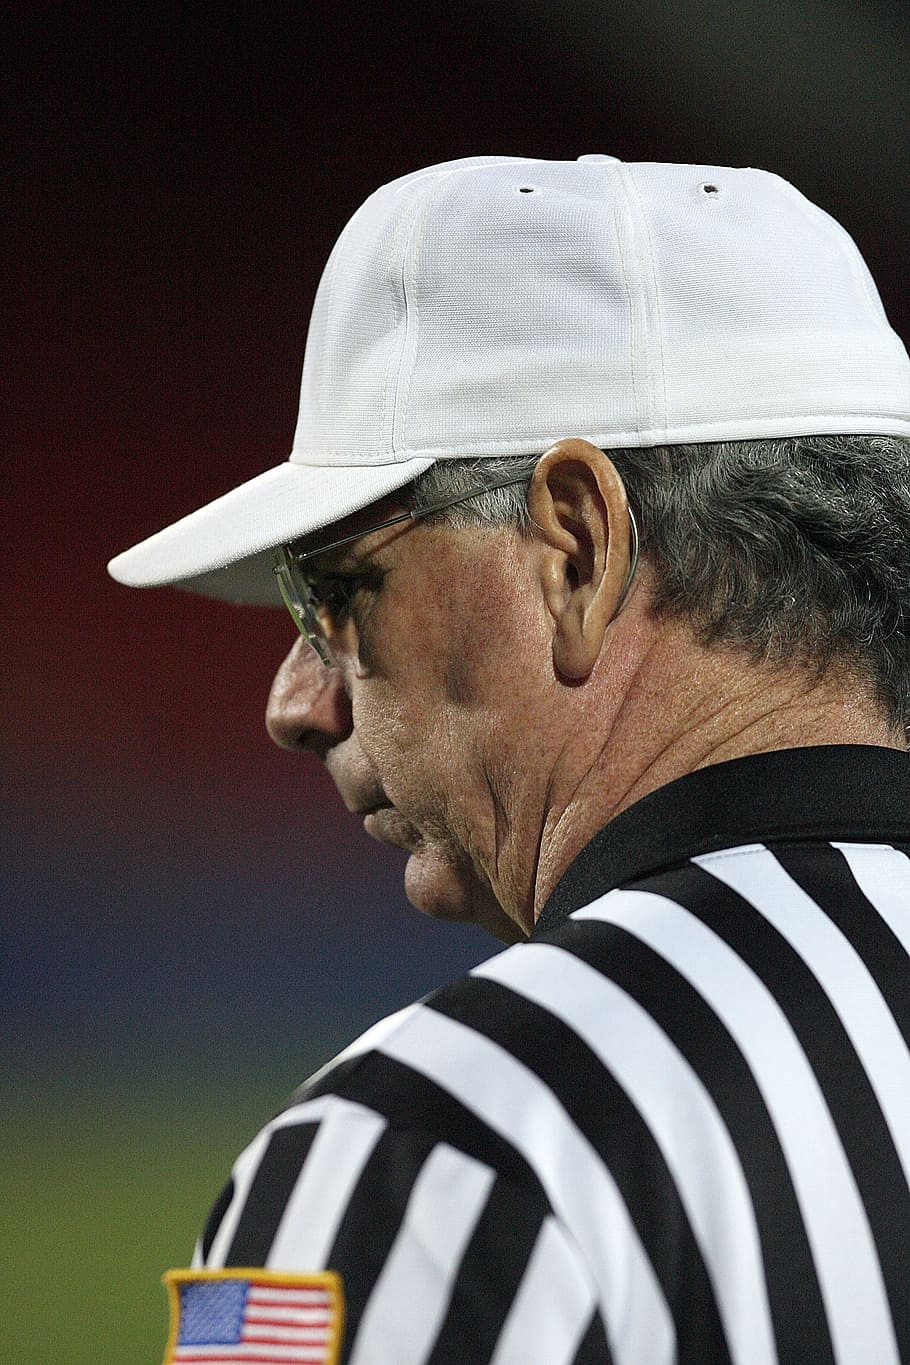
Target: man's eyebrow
(346,560)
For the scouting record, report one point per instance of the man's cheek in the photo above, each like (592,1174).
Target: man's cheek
(390,728)
(354,775)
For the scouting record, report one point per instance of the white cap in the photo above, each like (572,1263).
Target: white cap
(493,305)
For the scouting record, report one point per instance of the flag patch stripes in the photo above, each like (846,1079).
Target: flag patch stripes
(228,1317)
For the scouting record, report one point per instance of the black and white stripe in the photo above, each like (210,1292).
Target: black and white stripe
(674,1128)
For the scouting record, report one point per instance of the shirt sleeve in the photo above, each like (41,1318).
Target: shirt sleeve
(443,1258)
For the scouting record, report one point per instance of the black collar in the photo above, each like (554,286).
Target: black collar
(835,791)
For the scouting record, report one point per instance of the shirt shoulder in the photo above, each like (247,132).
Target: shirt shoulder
(389,1170)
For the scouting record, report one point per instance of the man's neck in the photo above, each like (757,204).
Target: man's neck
(684,707)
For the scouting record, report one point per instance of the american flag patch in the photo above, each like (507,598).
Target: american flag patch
(227,1317)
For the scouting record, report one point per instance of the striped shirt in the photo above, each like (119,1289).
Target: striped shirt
(673,1127)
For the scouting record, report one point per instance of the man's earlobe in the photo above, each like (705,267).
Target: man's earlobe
(577,502)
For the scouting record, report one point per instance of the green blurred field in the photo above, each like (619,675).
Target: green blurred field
(103,1191)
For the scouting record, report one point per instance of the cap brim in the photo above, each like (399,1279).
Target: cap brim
(225,549)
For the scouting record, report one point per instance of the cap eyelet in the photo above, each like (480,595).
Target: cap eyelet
(526,189)
(709,189)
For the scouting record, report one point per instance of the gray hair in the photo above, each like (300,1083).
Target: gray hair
(795,549)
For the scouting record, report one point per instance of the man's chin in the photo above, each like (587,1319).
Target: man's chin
(440,883)
(433,885)
(438,886)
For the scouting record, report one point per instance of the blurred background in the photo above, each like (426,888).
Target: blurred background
(191,923)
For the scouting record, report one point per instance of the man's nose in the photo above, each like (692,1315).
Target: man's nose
(308,707)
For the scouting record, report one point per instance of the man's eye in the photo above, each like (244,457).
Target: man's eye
(335,594)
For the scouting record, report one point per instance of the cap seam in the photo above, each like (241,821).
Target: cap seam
(412,308)
(620,246)
(657,382)
(399,302)
(640,330)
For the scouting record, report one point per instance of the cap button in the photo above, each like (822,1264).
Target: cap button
(599,156)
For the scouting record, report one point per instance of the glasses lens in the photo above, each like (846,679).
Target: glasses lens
(298,599)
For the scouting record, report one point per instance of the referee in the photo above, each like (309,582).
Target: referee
(596,532)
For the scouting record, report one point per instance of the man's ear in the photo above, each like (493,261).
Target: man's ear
(577,502)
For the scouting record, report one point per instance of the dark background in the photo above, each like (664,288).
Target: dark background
(191,923)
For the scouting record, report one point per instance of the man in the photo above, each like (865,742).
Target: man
(597,535)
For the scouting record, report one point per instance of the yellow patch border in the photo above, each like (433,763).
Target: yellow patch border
(317,1279)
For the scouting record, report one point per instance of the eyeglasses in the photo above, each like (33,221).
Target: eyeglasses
(307,605)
